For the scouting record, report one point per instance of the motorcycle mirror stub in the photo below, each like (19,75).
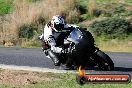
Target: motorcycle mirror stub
(84,28)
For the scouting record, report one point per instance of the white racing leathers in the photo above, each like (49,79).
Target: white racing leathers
(50,36)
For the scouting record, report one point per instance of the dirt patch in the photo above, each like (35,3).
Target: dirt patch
(10,77)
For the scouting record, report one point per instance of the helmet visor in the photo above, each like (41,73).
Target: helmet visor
(59,27)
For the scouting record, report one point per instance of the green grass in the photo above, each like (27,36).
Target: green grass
(6,6)
(113,1)
(114,45)
(31,44)
(105,1)
(33,0)
(73,84)
(1,45)
(67,81)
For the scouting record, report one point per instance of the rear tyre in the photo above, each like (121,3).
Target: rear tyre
(104,62)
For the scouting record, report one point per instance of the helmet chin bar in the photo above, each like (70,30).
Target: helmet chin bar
(58,27)
(57,23)
(57,30)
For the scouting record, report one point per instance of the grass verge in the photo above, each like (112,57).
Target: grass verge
(73,84)
(114,45)
(6,6)
(66,80)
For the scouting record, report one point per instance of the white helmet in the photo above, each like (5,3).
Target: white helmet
(57,23)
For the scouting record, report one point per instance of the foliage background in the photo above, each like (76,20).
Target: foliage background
(22,21)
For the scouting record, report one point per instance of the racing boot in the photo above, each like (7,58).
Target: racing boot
(54,58)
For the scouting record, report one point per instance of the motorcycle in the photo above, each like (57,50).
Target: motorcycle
(80,50)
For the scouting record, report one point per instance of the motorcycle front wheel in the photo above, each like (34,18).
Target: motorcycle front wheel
(104,62)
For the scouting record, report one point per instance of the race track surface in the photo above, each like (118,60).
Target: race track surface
(36,58)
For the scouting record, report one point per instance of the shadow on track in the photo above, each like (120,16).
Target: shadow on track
(119,69)
(123,69)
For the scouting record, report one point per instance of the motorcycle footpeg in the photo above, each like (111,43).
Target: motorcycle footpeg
(48,56)
(57,64)
(46,52)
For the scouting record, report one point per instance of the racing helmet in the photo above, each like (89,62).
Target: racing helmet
(57,23)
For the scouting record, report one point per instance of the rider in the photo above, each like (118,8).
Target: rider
(51,34)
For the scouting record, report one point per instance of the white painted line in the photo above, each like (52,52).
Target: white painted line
(36,69)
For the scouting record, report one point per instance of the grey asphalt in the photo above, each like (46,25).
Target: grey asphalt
(36,58)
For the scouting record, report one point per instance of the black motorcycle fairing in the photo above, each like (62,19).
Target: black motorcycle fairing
(82,46)
(82,39)
(82,51)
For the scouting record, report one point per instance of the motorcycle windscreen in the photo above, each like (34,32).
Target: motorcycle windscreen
(82,43)
(75,36)
(80,48)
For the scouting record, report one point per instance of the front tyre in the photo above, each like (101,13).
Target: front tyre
(104,62)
